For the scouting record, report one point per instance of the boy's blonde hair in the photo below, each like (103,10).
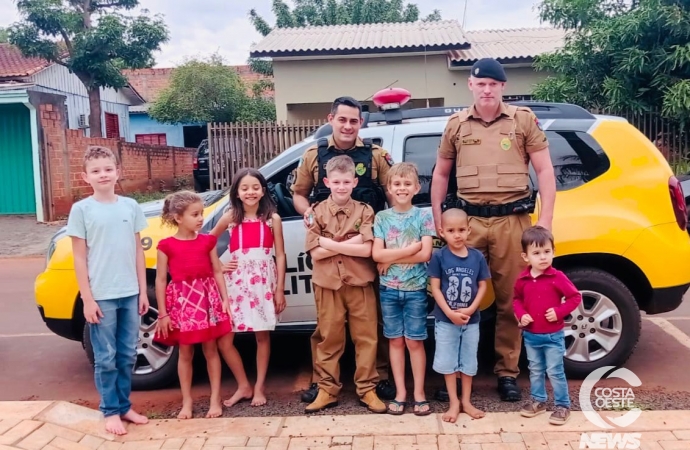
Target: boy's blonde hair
(340,163)
(405,170)
(97,151)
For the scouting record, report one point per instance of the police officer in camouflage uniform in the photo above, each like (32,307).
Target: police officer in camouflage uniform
(371,166)
(490,145)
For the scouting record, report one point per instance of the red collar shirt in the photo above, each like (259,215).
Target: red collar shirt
(535,296)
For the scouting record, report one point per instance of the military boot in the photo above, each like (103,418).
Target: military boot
(373,402)
(323,400)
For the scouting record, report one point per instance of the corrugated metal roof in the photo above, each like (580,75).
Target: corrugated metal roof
(14,64)
(509,44)
(362,39)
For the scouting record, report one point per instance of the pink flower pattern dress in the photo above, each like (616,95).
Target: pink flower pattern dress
(251,286)
(192,298)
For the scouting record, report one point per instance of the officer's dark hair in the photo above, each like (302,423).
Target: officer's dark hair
(347,101)
(266,205)
(536,235)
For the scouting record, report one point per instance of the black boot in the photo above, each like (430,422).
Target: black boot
(442,394)
(310,394)
(508,389)
(385,390)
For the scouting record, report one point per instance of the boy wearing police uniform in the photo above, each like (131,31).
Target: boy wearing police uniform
(491,144)
(339,240)
(371,169)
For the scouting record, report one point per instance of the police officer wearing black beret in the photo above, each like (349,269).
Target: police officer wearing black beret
(498,142)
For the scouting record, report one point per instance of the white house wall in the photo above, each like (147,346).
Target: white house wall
(57,79)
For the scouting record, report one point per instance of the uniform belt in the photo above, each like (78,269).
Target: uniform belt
(525,205)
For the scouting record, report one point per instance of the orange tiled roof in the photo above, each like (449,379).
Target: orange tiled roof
(150,82)
(15,65)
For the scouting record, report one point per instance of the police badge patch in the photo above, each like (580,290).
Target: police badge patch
(360,169)
(387,156)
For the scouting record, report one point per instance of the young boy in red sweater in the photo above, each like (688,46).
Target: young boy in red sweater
(540,309)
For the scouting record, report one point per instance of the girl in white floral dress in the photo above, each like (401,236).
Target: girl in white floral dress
(254,280)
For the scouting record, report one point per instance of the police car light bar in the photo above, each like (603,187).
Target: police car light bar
(391,98)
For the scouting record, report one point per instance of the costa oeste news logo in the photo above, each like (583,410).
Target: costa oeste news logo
(605,398)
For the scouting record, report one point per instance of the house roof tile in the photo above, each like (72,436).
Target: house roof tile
(509,44)
(15,65)
(362,39)
(151,82)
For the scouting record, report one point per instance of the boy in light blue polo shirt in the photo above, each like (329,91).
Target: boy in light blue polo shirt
(111,273)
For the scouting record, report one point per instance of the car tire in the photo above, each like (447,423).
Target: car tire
(166,374)
(599,286)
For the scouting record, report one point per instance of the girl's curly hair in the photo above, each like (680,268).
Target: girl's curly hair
(176,204)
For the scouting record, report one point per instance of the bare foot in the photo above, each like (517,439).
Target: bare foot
(452,414)
(215,409)
(259,397)
(186,411)
(472,411)
(238,396)
(114,425)
(135,417)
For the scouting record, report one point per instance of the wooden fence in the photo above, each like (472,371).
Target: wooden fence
(233,146)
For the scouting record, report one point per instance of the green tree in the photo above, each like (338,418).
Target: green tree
(620,55)
(91,38)
(3,35)
(202,91)
(333,12)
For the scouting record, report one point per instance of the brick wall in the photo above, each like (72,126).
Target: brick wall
(143,167)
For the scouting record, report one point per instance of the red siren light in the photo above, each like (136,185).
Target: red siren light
(391,98)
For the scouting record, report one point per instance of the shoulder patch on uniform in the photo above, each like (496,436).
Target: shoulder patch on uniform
(387,156)
(536,120)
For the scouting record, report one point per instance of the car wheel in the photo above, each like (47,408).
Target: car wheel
(605,327)
(156,364)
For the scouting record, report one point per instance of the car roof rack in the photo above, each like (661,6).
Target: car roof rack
(543,111)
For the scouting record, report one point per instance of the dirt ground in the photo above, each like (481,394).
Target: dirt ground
(22,236)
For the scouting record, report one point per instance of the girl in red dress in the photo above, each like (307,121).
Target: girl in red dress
(195,310)
(254,280)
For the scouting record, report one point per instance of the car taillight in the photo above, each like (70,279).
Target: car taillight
(678,201)
(195,162)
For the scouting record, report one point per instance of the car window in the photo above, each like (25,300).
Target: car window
(421,150)
(577,158)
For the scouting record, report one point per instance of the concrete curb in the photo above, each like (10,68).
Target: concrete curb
(20,419)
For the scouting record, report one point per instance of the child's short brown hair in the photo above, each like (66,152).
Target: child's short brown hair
(96,151)
(340,163)
(405,170)
(536,235)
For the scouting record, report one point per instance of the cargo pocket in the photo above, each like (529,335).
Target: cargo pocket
(512,175)
(467,177)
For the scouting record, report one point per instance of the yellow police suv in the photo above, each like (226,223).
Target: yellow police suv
(620,226)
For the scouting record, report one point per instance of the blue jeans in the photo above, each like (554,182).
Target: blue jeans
(114,342)
(404,313)
(545,354)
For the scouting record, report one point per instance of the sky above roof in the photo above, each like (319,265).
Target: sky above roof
(200,28)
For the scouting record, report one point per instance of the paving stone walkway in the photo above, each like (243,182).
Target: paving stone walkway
(65,426)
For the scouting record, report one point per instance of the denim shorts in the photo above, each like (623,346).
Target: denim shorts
(404,313)
(456,348)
